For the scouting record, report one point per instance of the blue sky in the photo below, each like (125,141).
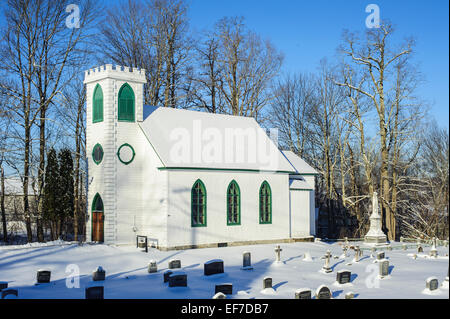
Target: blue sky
(307,31)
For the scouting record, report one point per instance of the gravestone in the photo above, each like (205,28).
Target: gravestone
(174,263)
(343,276)
(432,283)
(9,292)
(349,295)
(278,251)
(327,267)
(381,255)
(178,279)
(98,274)
(3,285)
(404,246)
(384,268)
(433,251)
(323,292)
(357,254)
(246,261)
(43,276)
(94,292)
(166,275)
(212,267)
(419,248)
(152,266)
(389,248)
(304,293)
(267,282)
(219,295)
(226,289)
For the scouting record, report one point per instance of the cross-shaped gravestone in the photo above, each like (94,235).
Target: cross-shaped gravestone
(327,257)
(278,252)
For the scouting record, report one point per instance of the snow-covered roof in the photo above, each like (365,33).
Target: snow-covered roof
(193,139)
(298,163)
(299,184)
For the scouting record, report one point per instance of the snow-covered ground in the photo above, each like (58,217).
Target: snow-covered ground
(127,275)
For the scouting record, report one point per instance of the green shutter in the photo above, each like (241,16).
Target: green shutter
(126,104)
(97,104)
(198,204)
(233,204)
(265,204)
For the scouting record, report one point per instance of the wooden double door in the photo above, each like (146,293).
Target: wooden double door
(97,226)
(98,218)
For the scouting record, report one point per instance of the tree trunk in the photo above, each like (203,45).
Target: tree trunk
(2,206)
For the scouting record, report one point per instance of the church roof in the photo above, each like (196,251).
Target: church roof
(199,140)
(299,164)
(299,184)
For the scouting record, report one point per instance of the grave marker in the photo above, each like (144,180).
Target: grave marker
(323,292)
(432,283)
(3,285)
(278,251)
(303,293)
(267,282)
(9,292)
(152,266)
(174,264)
(98,274)
(226,289)
(343,276)
(219,295)
(327,267)
(246,261)
(43,276)
(178,279)
(94,292)
(166,275)
(384,268)
(212,267)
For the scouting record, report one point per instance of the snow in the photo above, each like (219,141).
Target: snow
(128,277)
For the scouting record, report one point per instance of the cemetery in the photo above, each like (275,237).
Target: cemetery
(344,269)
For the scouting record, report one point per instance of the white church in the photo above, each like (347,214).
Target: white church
(186,179)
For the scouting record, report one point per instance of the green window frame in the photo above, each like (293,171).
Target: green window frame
(126,104)
(97,204)
(233,204)
(198,204)
(132,150)
(97,104)
(97,148)
(265,204)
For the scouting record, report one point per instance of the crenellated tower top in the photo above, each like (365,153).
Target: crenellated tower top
(115,72)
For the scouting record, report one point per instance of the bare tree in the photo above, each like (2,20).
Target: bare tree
(38,49)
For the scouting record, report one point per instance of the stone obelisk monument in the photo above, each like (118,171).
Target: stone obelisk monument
(375,235)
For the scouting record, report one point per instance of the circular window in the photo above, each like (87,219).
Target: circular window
(126,154)
(97,154)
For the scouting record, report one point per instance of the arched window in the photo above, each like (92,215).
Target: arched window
(126,104)
(265,204)
(97,104)
(97,219)
(233,204)
(198,204)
